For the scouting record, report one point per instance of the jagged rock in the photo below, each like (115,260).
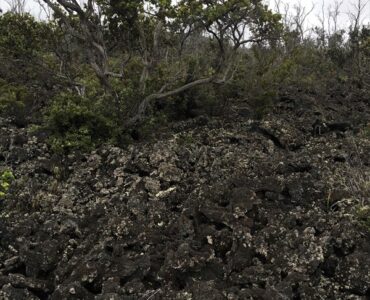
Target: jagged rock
(8,292)
(220,209)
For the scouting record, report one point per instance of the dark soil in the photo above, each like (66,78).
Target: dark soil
(217,208)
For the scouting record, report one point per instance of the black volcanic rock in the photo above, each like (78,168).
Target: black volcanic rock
(217,209)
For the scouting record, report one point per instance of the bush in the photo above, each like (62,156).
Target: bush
(77,123)
(21,36)
(13,102)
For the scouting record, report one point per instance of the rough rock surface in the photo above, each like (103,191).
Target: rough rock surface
(215,209)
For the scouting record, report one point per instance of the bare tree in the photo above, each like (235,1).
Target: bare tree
(283,9)
(334,12)
(322,29)
(44,10)
(356,14)
(17,6)
(300,16)
(356,20)
(294,18)
(90,34)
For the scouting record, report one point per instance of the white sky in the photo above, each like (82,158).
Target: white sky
(343,19)
(312,19)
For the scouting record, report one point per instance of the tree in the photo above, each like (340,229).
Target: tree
(24,71)
(87,31)
(21,52)
(334,12)
(165,30)
(356,16)
(299,18)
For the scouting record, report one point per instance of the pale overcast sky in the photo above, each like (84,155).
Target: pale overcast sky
(312,20)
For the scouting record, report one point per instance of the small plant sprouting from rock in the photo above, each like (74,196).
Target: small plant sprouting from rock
(6,178)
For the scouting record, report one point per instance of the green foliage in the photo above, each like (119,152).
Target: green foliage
(146,130)
(11,97)
(22,36)
(27,65)
(78,123)
(13,101)
(262,103)
(145,48)
(192,103)
(6,178)
(304,68)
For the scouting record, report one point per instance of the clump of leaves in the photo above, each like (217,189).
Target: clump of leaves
(262,103)
(77,123)
(6,178)
(21,35)
(13,100)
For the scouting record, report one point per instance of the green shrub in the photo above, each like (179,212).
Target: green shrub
(6,178)
(262,103)
(78,123)
(147,129)
(194,102)
(13,101)
(21,36)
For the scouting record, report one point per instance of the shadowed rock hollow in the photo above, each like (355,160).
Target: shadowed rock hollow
(213,209)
